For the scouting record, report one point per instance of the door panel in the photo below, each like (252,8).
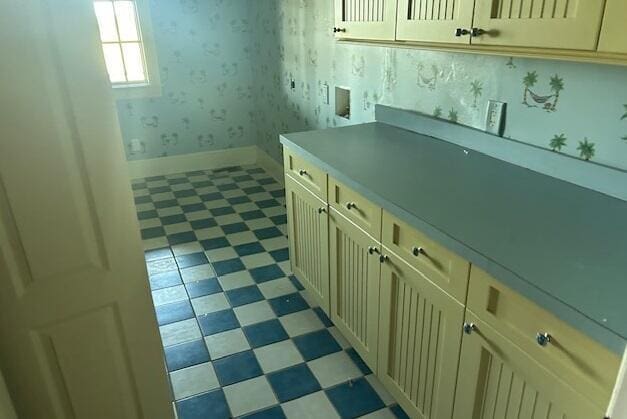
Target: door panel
(434,20)
(613,30)
(498,380)
(365,19)
(419,341)
(354,273)
(565,24)
(309,240)
(78,334)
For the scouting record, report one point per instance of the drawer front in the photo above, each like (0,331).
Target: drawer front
(306,173)
(587,366)
(443,267)
(355,207)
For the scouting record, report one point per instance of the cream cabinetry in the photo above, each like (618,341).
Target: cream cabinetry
(365,19)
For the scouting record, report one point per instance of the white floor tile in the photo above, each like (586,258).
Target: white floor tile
(193,380)
(236,280)
(198,215)
(149,223)
(381,391)
(179,332)
(277,356)
(274,243)
(259,223)
(339,337)
(301,322)
(209,233)
(242,238)
(254,313)
(210,303)
(156,243)
(169,295)
(226,343)
(196,273)
(257,260)
(187,248)
(177,228)
(312,406)
(224,253)
(380,414)
(276,288)
(334,369)
(249,396)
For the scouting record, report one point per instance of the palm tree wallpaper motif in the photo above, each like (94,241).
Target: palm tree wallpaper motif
(557,142)
(557,85)
(529,81)
(437,112)
(452,115)
(476,88)
(586,149)
(547,102)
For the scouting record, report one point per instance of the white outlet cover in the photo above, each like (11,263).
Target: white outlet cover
(495,117)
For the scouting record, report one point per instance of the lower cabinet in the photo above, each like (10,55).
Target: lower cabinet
(419,340)
(308,231)
(355,272)
(499,380)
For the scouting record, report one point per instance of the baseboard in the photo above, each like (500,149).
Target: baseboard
(270,165)
(195,161)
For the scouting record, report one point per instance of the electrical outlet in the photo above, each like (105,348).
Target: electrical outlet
(292,84)
(495,118)
(324,91)
(136,145)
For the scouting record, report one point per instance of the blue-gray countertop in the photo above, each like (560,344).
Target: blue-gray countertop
(561,245)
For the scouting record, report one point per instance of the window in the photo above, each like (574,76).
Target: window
(122,43)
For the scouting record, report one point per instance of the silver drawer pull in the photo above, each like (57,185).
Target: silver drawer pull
(384,258)
(417,251)
(372,250)
(543,338)
(469,328)
(350,205)
(321,210)
(302,172)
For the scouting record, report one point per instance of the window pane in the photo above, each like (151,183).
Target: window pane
(115,65)
(106,21)
(127,22)
(134,61)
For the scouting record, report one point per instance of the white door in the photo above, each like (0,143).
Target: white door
(78,334)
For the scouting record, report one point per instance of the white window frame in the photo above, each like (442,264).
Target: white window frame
(152,86)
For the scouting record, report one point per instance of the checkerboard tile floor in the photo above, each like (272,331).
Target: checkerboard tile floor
(241,336)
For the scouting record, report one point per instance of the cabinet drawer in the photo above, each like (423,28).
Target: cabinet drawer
(306,173)
(355,207)
(587,366)
(443,267)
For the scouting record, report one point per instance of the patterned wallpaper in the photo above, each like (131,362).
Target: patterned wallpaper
(203,49)
(572,108)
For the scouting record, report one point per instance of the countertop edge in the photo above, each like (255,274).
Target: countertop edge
(565,312)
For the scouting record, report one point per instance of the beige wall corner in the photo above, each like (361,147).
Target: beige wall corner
(270,165)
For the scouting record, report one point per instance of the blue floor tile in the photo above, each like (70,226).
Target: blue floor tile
(265,333)
(287,304)
(165,280)
(227,187)
(279,219)
(154,178)
(205,223)
(174,312)
(173,219)
(156,254)
(211,405)
(242,178)
(252,215)
(253,189)
(166,203)
(216,212)
(181,238)
(138,186)
(186,354)
(272,413)
(152,232)
(216,243)
(296,283)
(326,321)
(266,181)
(245,295)
(354,399)
(361,364)
(184,193)
(177,181)
(278,193)
(211,196)
(293,382)
(316,344)
(146,215)
(217,322)
(280,255)
(192,259)
(238,367)
(159,189)
(203,287)
(143,199)
(249,249)
(268,203)
(238,200)
(234,228)
(267,233)
(202,184)
(228,266)
(266,273)
(399,412)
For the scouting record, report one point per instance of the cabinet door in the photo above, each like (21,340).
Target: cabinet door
(355,274)
(308,225)
(499,380)
(365,19)
(419,341)
(613,31)
(434,20)
(565,24)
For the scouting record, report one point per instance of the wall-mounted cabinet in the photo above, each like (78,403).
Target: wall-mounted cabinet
(365,19)
(589,30)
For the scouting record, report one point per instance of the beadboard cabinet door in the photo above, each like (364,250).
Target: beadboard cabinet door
(308,226)
(613,37)
(434,20)
(419,340)
(564,24)
(499,380)
(365,19)
(355,273)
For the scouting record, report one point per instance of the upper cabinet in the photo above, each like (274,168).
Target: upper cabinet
(590,30)
(365,19)
(565,24)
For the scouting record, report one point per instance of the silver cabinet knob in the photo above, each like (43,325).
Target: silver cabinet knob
(417,251)
(321,210)
(477,32)
(302,172)
(543,338)
(461,32)
(384,258)
(336,30)
(469,328)
(372,250)
(350,205)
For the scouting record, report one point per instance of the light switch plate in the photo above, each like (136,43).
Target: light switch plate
(495,118)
